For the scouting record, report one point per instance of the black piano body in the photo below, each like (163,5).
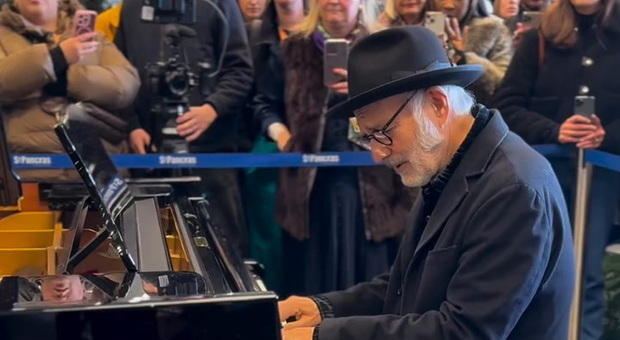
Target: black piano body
(115,306)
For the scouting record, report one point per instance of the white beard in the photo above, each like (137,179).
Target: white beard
(421,159)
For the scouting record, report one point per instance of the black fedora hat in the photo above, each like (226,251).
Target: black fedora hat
(398,60)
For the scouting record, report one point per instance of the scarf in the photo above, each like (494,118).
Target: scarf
(320,35)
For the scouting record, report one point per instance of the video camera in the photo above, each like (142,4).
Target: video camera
(170,81)
(180,12)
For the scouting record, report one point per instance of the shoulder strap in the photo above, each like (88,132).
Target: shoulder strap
(541,48)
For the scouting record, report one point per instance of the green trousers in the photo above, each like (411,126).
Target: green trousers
(259,202)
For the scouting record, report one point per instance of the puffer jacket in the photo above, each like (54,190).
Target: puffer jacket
(26,69)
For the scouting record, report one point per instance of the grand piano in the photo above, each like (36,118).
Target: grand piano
(109,258)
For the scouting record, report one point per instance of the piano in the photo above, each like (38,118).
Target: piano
(114,258)
(130,305)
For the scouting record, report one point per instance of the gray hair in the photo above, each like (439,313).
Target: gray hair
(461,102)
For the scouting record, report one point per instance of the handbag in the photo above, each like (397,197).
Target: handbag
(107,125)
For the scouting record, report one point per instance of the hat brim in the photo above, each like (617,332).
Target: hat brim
(458,75)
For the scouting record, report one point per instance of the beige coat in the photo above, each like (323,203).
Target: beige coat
(26,67)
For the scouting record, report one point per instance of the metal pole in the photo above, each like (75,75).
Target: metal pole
(582,199)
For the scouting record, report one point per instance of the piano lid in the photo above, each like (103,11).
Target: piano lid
(104,183)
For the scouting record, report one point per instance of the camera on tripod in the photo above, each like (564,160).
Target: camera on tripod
(170,84)
(170,81)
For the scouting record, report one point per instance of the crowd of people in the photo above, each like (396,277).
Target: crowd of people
(261,89)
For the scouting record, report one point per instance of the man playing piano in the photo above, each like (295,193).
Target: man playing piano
(487,254)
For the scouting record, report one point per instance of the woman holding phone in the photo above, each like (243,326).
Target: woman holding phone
(44,68)
(553,72)
(402,12)
(341,223)
(476,37)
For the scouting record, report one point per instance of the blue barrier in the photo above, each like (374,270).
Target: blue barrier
(162,161)
(275,160)
(603,160)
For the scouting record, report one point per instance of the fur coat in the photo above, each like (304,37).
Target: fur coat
(386,201)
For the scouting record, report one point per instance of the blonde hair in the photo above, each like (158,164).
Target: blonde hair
(387,17)
(66,11)
(560,19)
(390,10)
(390,14)
(366,16)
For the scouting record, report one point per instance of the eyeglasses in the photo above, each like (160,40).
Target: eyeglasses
(381,136)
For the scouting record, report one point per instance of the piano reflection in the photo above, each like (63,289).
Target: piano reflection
(154,305)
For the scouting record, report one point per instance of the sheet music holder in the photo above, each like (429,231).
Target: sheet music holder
(107,188)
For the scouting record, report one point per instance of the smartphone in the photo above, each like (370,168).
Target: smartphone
(531,19)
(436,22)
(585,106)
(84,22)
(335,55)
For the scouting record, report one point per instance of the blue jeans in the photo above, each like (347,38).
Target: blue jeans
(604,196)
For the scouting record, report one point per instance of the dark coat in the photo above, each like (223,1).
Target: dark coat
(268,102)
(495,260)
(386,200)
(227,92)
(536,99)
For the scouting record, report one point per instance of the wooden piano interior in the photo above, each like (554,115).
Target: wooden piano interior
(31,239)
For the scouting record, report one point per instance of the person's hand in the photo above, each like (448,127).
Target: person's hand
(444,41)
(76,48)
(195,121)
(302,309)
(575,128)
(300,333)
(455,36)
(343,86)
(280,134)
(518,33)
(139,140)
(595,138)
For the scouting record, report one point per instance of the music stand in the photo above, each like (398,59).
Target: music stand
(107,188)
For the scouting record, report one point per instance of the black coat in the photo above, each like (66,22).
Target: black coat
(495,260)
(268,102)
(536,99)
(227,92)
